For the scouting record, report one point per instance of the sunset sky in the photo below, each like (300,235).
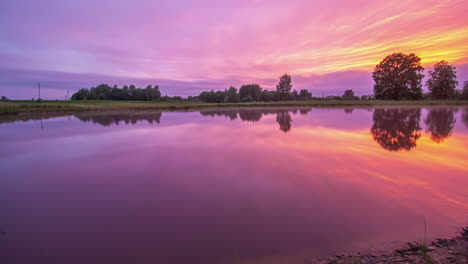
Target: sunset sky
(188,46)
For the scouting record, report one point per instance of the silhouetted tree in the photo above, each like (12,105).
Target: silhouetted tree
(293,95)
(252,90)
(464,92)
(396,129)
(442,81)
(334,97)
(212,96)
(305,94)
(284,86)
(284,120)
(155,93)
(4,99)
(81,94)
(105,92)
(268,96)
(349,95)
(231,95)
(440,122)
(397,77)
(247,99)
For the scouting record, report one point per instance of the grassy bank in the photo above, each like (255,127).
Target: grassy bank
(17,107)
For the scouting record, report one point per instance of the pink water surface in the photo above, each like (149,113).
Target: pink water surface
(249,185)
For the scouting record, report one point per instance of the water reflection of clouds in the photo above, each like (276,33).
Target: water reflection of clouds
(393,128)
(209,184)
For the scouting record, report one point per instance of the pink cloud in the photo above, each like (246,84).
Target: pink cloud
(211,40)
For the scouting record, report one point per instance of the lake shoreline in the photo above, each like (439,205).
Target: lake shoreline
(26,107)
(440,250)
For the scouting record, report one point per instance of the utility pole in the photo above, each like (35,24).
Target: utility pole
(39,88)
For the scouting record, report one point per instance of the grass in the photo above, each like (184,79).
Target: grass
(8,109)
(425,257)
(16,107)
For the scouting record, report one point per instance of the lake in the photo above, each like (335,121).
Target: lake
(229,185)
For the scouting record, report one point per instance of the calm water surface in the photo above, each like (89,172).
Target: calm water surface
(261,185)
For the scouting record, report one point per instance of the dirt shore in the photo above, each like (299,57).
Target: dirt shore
(443,251)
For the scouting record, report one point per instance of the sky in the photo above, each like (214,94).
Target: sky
(186,46)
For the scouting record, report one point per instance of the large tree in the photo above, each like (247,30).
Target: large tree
(254,91)
(305,94)
(284,86)
(349,95)
(442,81)
(398,77)
(231,95)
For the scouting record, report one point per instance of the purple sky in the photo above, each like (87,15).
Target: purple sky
(189,46)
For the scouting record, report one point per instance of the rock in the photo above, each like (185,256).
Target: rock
(414,246)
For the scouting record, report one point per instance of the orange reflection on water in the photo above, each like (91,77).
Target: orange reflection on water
(251,185)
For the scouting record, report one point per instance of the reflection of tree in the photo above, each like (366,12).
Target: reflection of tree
(109,119)
(284,120)
(465,117)
(396,129)
(231,114)
(348,110)
(440,122)
(252,115)
(305,111)
(283,116)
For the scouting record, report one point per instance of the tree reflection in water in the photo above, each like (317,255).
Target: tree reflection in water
(284,120)
(440,122)
(109,119)
(396,129)
(305,111)
(465,117)
(232,115)
(283,117)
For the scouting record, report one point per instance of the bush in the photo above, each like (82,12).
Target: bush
(247,99)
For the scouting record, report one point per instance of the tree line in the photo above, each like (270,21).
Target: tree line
(126,93)
(397,77)
(255,93)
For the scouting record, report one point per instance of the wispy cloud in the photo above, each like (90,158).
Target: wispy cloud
(193,40)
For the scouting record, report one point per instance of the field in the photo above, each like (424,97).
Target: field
(18,107)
